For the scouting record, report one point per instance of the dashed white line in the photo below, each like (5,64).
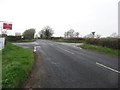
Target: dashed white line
(66,50)
(107,67)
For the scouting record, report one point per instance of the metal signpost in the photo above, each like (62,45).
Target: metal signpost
(4,27)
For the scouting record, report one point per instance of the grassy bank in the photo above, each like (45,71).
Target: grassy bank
(101,49)
(16,65)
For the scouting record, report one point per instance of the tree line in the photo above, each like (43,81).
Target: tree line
(47,32)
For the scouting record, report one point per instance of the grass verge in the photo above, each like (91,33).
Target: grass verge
(101,49)
(16,65)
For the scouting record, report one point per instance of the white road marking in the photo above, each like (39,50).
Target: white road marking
(80,48)
(66,50)
(107,67)
(34,48)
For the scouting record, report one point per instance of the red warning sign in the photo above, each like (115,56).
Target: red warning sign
(7,26)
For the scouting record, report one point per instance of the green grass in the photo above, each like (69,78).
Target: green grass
(101,49)
(16,65)
(25,41)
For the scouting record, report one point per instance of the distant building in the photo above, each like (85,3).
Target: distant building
(17,34)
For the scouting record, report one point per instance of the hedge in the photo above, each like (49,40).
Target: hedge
(13,38)
(105,42)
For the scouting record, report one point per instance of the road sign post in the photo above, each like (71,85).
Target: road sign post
(4,26)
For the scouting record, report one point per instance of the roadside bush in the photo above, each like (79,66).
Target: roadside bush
(105,42)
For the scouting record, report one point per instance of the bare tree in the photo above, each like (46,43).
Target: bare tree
(114,35)
(88,36)
(77,34)
(41,34)
(71,34)
(46,32)
(65,34)
(97,35)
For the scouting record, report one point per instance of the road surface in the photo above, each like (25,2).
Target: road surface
(66,66)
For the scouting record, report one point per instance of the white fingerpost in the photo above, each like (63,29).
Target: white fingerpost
(2,43)
(34,48)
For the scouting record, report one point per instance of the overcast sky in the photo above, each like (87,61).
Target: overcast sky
(84,16)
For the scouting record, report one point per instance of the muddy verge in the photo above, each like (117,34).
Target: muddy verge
(37,73)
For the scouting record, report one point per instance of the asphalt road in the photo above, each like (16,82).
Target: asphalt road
(67,66)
